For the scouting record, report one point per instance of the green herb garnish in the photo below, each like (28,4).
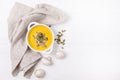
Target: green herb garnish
(41,39)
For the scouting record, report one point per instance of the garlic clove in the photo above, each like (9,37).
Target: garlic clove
(60,55)
(39,73)
(47,61)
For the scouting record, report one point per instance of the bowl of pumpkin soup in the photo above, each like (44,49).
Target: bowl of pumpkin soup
(40,37)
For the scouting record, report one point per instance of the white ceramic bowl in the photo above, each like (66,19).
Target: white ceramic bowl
(32,25)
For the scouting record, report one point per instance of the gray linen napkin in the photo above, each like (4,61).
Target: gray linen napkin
(23,58)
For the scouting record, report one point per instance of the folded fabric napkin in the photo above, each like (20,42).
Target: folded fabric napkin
(22,57)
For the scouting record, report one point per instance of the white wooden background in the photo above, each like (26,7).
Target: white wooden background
(93,41)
